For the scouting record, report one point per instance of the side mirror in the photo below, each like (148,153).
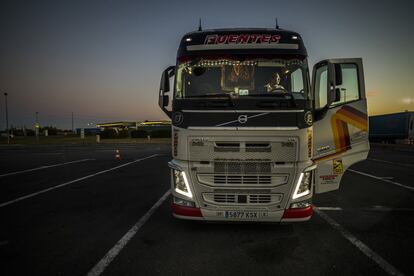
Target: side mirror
(165,82)
(163,100)
(331,94)
(334,95)
(337,94)
(338,74)
(335,79)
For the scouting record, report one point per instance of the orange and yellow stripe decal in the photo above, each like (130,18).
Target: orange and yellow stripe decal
(340,120)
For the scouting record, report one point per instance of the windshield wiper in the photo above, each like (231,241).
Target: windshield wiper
(214,95)
(278,95)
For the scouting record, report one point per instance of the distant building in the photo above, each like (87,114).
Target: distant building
(117,125)
(156,123)
(134,125)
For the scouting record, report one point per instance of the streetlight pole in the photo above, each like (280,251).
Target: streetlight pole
(7,119)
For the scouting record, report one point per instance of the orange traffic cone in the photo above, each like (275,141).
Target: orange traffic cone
(117,155)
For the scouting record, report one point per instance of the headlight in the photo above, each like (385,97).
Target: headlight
(183,202)
(303,187)
(181,183)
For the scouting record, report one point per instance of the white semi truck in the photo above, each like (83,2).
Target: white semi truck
(253,138)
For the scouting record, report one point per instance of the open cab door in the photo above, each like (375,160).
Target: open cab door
(340,129)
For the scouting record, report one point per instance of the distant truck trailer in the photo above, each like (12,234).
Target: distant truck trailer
(391,128)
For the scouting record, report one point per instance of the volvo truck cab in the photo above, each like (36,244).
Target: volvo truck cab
(253,137)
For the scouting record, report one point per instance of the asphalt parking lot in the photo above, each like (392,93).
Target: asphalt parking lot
(75,210)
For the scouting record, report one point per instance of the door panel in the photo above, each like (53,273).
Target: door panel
(341,132)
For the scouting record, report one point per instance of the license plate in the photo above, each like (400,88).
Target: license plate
(242,214)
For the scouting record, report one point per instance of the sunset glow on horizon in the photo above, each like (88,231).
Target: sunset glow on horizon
(102,60)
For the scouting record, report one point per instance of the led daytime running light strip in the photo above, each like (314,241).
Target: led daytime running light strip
(295,194)
(188,193)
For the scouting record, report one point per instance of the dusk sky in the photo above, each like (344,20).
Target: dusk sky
(103,59)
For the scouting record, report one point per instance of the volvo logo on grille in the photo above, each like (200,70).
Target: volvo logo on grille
(178,118)
(242,119)
(308,118)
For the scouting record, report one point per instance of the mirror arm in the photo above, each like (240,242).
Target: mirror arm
(162,104)
(338,74)
(169,113)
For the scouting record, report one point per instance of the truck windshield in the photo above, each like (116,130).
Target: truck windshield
(242,79)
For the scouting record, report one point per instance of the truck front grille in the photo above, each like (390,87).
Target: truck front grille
(239,167)
(260,199)
(277,149)
(243,179)
(236,199)
(225,198)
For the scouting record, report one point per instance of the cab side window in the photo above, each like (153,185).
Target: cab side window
(349,89)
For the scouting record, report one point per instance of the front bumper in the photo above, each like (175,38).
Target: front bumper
(200,209)
(287,215)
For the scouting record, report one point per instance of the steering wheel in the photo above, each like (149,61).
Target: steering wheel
(279,90)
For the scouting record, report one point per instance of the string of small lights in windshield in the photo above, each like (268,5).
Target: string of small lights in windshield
(208,63)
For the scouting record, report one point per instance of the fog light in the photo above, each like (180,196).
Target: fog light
(303,186)
(299,205)
(181,185)
(183,202)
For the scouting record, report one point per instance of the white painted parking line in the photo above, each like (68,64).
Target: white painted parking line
(114,251)
(388,209)
(382,179)
(389,162)
(386,266)
(330,208)
(45,167)
(373,208)
(72,181)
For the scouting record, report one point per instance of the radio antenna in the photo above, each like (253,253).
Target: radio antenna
(199,25)
(277,25)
